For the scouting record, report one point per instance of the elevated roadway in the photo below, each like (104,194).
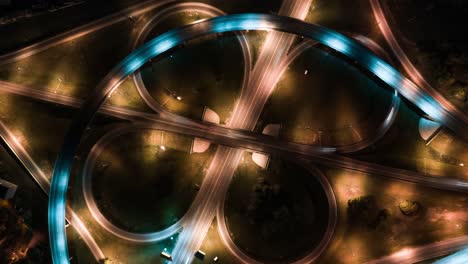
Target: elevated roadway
(410,69)
(171,39)
(246,112)
(83,30)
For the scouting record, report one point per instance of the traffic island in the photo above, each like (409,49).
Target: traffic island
(276,215)
(152,175)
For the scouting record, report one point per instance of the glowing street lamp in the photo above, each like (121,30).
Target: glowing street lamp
(58,85)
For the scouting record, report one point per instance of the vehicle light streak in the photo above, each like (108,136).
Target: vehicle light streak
(170,39)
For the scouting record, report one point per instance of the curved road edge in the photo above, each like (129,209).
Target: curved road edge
(90,162)
(80,31)
(425,252)
(409,68)
(169,40)
(309,257)
(42,180)
(174,9)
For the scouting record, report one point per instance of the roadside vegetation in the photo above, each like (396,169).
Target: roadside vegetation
(396,214)
(145,181)
(430,31)
(322,108)
(278,214)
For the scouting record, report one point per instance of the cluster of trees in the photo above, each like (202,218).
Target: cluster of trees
(442,157)
(436,29)
(270,209)
(14,233)
(363,212)
(15,236)
(410,208)
(450,61)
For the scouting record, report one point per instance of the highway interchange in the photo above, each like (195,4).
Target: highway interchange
(233,138)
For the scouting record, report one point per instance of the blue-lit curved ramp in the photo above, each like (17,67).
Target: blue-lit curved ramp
(162,43)
(461,257)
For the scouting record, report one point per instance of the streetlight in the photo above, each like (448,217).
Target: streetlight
(58,85)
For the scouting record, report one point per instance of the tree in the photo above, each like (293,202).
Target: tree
(409,208)
(363,211)
(269,208)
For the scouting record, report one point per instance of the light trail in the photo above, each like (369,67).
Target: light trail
(173,38)
(206,9)
(42,180)
(246,113)
(89,164)
(432,95)
(433,250)
(310,256)
(83,30)
(457,258)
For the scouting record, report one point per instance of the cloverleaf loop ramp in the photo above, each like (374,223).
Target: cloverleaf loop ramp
(175,38)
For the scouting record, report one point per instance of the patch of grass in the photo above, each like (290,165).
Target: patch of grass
(277,214)
(143,188)
(39,127)
(127,96)
(73,68)
(442,216)
(32,122)
(243,6)
(402,147)
(30,30)
(429,32)
(334,104)
(346,16)
(206,72)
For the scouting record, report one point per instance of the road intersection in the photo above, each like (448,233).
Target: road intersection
(244,118)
